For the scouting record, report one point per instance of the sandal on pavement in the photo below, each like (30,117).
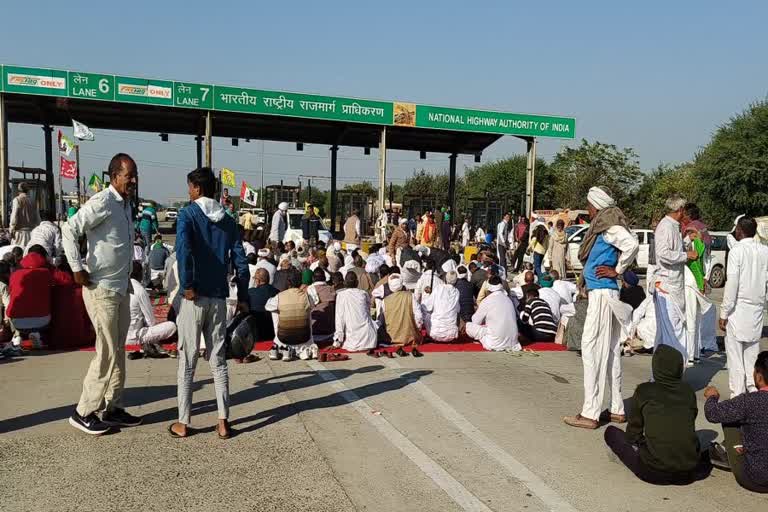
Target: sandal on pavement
(580,421)
(416,353)
(607,416)
(176,434)
(402,353)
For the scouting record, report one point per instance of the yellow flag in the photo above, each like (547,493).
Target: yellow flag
(228,178)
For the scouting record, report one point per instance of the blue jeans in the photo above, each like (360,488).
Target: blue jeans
(538,259)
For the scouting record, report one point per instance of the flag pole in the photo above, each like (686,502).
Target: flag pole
(77,163)
(61,191)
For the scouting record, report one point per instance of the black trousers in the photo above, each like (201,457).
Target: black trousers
(517,257)
(629,455)
(733,437)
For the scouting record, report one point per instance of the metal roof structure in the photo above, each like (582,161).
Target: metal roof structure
(52,97)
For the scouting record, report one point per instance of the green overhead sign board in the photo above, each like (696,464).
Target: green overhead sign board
(90,86)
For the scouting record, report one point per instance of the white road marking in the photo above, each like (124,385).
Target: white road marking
(452,487)
(516,468)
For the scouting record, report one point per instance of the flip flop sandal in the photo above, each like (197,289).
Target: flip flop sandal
(402,353)
(530,352)
(416,352)
(373,353)
(322,357)
(224,436)
(174,434)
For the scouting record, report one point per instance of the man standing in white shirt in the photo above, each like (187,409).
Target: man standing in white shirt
(742,310)
(279,224)
(107,222)
(501,240)
(669,278)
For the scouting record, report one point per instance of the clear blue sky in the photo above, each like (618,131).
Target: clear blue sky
(656,76)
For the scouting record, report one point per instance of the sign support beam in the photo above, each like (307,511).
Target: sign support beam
(199,148)
(208,138)
(48,131)
(3,162)
(452,186)
(334,204)
(530,174)
(382,169)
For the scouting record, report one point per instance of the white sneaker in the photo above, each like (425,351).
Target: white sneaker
(274,353)
(305,355)
(288,354)
(314,352)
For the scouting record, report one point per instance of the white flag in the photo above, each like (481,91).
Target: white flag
(82,132)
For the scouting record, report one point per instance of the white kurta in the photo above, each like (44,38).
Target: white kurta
(424,282)
(696,303)
(553,300)
(670,260)
(465,234)
(441,312)
(355,329)
(566,289)
(744,299)
(494,324)
(47,235)
(644,323)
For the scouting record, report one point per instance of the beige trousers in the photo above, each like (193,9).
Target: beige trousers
(103,385)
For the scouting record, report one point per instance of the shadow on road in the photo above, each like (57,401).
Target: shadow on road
(131,398)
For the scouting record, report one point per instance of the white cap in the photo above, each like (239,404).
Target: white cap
(283,206)
(402,220)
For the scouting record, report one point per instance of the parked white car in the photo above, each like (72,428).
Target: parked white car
(294,233)
(576,235)
(716,266)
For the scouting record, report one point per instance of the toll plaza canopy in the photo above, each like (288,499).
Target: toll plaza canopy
(53,97)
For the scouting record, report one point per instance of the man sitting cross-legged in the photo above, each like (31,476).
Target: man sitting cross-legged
(537,323)
(441,309)
(494,324)
(355,330)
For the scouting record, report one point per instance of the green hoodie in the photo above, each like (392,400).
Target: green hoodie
(662,419)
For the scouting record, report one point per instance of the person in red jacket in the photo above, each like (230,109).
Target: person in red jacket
(29,308)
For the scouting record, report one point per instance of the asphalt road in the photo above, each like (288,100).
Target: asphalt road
(447,432)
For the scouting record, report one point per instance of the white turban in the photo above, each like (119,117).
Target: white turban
(283,206)
(263,253)
(349,261)
(402,220)
(735,222)
(495,287)
(337,246)
(412,264)
(599,198)
(374,263)
(449,266)
(383,251)
(395,282)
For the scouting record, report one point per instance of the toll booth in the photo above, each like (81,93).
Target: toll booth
(40,184)
(361,202)
(417,204)
(486,211)
(276,194)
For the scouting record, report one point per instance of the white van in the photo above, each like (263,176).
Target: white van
(576,233)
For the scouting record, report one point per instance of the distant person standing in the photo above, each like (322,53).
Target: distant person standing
(352,231)
(24,217)
(106,221)
(225,197)
(279,225)
(148,224)
(743,307)
(501,240)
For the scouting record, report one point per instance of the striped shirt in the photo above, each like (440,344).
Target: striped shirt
(538,315)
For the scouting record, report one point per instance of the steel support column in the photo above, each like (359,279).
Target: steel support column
(530,175)
(3,162)
(452,186)
(208,139)
(382,169)
(48,131)
(334,156)
(199,148)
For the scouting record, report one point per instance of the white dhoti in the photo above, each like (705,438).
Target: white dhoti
(741,363)
(601,343)
(670,324)
(152,335)
(490,342)
(708,331)
(696,303)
